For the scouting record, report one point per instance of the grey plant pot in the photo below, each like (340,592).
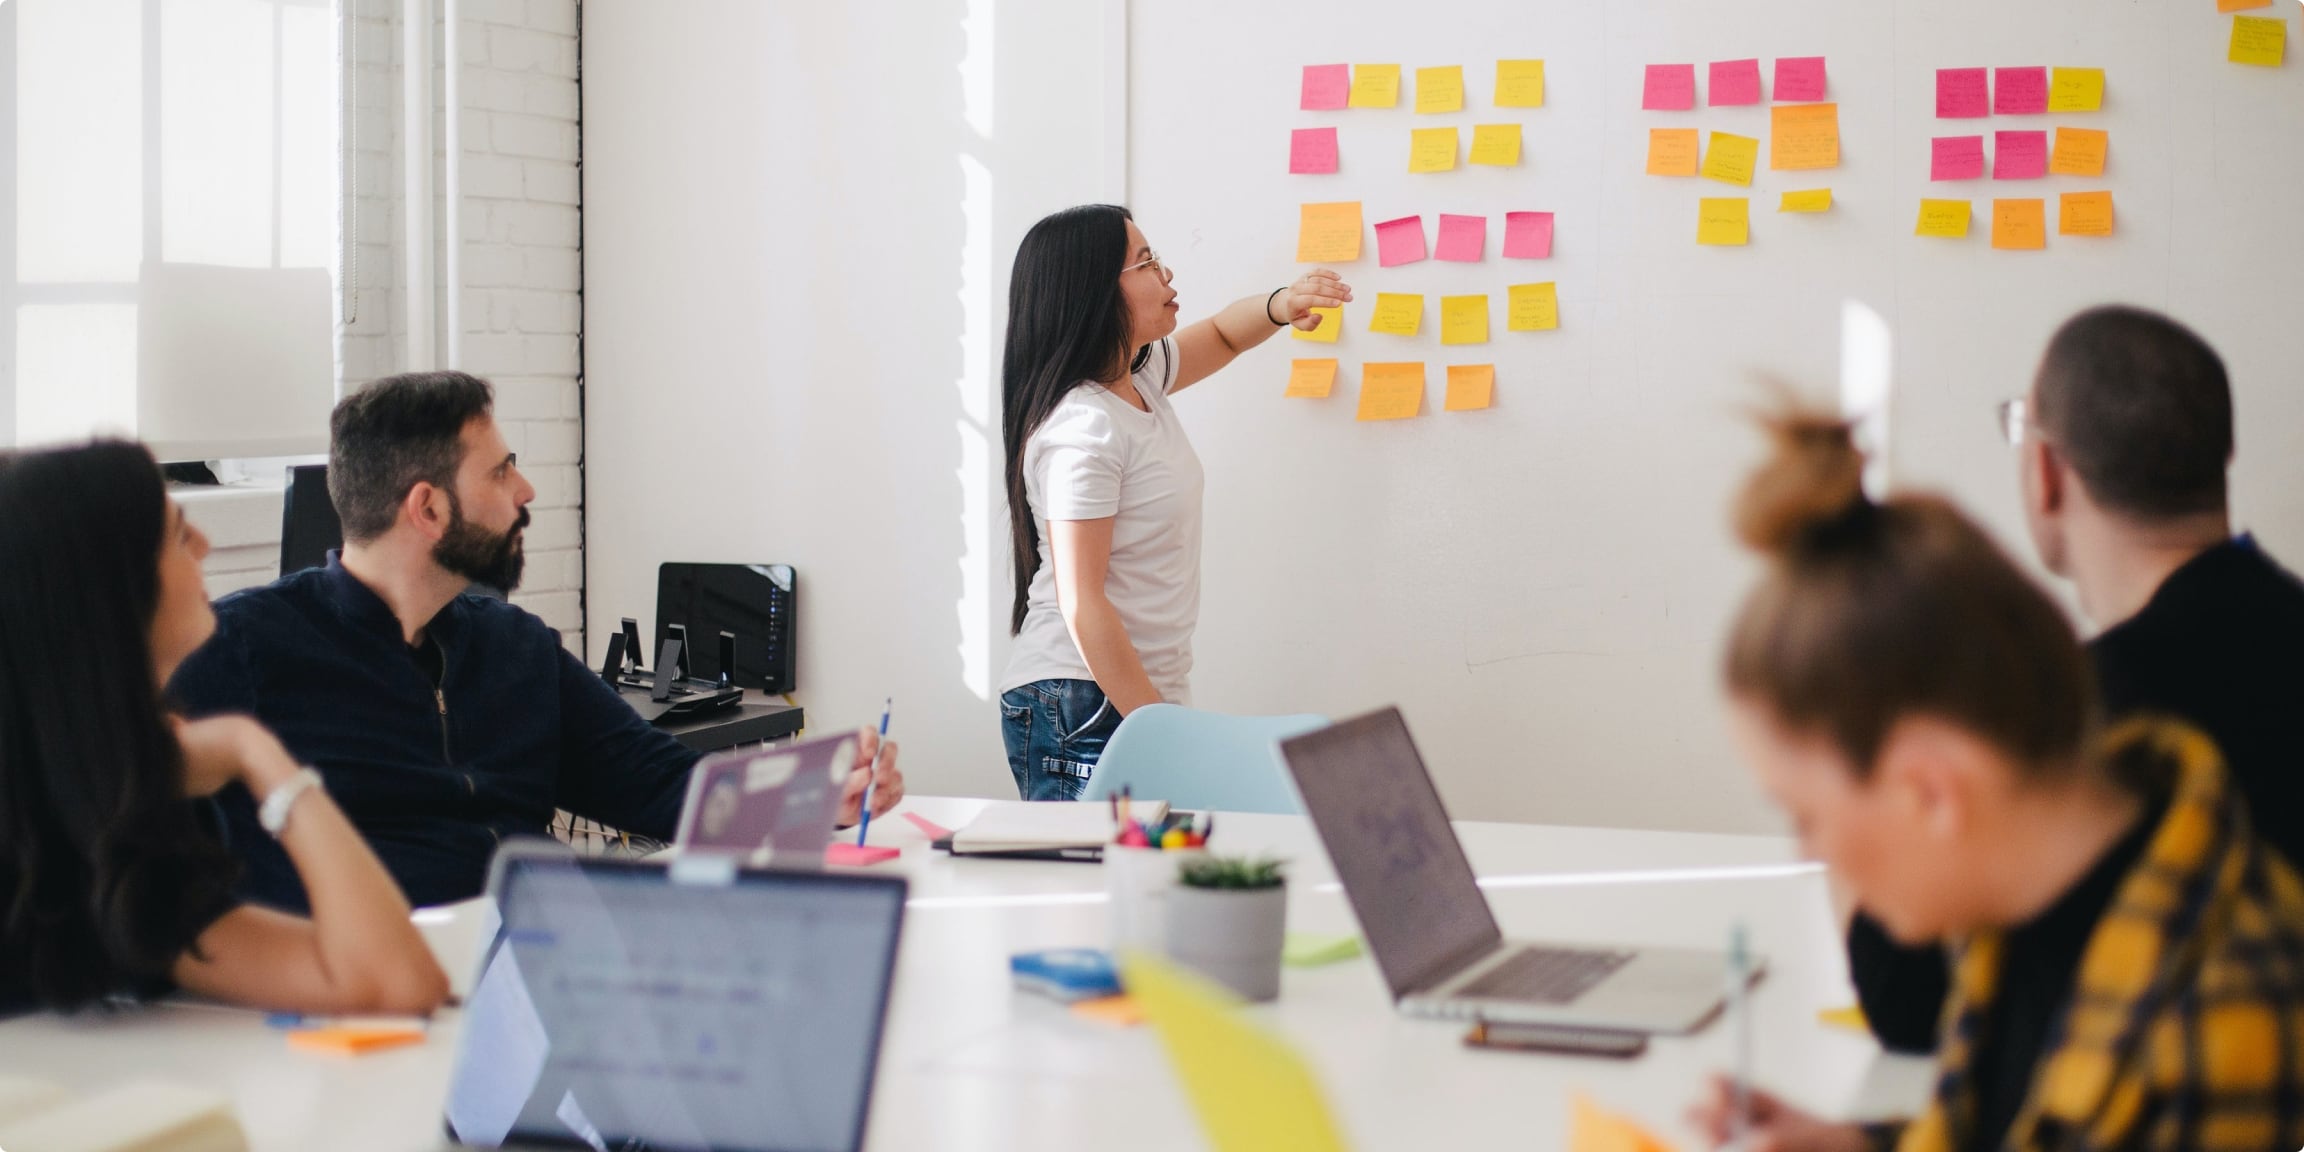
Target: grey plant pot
(1230,935)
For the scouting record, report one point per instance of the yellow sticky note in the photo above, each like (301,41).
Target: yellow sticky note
(1397,313)
(1471,387)
(1440,89)
(1463,319)
(1328,233)
(1519,83)
(2019,223)
(2084,214)
(1672,151)
(1811,200)
(1375,86)
(1592,1128)
(1431,149)
(1945,218)
(1311,379)
(1331,326)
(1497,144)
(1533,308)
(1252,1092)
(2259,41)
(1725,220)
(2076,90)
(1803,136)
(1731,158)
(2079,152)
(1389,392)
(1847,1017)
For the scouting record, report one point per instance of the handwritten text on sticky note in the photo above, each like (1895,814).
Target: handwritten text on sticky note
(1532,307)
(1326,86)
(1471,387)
(1956,158)
(2076,90)
(1311,379)
(1312,150)
(1527,235)
(2084,214)
(1391,391)
(1730,158)
(2019,91)
(1496,145)
(1669,88)
(2019,155)
(1328,233)
(1800,78)
(1397,314)
(1804,137)
(1947,219)
(2079,152)
(1463,239)
(2019,223)
(1962,93)
(1440,89)
(1725,221)
(1463,319)
(2258,41)
(1519,83)
(1375,86)
(1734,82)
(1400,241)
(1672,151)
(1431,149)
(1809,200)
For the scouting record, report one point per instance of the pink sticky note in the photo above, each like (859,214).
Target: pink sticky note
(927,827)
(2019,155)
(1527,235)
(849,854)
(1800,78)
(1463,239)
(1400,241)
(2019,91)
(1957,158)
(1326,86)
(1312,150)
(1962,93)
(1734,82)
(1670,88)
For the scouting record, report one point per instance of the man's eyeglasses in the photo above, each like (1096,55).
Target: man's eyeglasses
(1151,261)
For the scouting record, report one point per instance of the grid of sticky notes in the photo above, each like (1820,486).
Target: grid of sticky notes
(2018,152)
(1803,136)
(1335,231)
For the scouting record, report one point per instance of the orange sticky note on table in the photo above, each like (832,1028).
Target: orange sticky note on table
(1118,1011)
(1803,136)
(1532,307)
(2084,214)
(1391,391)
(1592,1128)
(1947,219)
(1330,327)
(1328,233)
(1463,319)
(353,1041)
(1724,220)
(2019,223)
(1672,152)
(1311,379)
(2241,5)
(1471,387)
(2079,152)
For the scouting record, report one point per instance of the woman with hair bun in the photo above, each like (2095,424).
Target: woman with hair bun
(2129,972)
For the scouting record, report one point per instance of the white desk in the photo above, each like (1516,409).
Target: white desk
(969,1065)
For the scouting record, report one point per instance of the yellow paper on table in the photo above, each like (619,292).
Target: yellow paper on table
(1848,1017)
(1431,149)
(1252,1092)
(2084,214)
(1811,200)
(1724,220)
(1945,218)
(1496,144)
(1533,307)
(1311,379)
(1390,392)
(1592,1128)
(1731,158)
(1672,152)
(1471,387)
(1803,136)
(2076,90)
(1331,326)
(2079,152)
(1440,89)
(1328,233)
(1397,313)
(1375,86)
(2019,223)
(1463,319)
(1519,83)
(2258,41)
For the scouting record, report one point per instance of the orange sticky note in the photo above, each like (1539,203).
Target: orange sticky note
(1311,379)
(2019,223)
(2079,152)
(1804,136)
(1118,1011)
(1672,152)
(1470,387)
(353,1041)
(1592,1128)
(2241,5)
(1947,219)
(1391,391)
(1328,233)
(2084,214)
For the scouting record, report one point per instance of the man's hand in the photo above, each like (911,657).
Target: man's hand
(887,786)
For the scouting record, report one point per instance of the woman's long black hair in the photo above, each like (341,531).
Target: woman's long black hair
(1067,324)
(106,871)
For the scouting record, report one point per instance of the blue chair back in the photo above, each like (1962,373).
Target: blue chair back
(1203,761)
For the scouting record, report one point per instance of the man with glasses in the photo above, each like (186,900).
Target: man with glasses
(2124,440)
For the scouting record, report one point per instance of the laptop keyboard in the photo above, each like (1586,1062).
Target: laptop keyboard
(1544,975)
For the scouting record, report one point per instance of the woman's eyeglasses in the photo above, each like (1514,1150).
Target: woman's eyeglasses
(1151,261)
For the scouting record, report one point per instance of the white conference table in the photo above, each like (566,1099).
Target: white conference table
(969,1064)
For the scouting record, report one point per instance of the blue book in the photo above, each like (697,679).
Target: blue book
(1066,974)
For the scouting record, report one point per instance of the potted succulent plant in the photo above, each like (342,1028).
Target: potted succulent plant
(1228,920)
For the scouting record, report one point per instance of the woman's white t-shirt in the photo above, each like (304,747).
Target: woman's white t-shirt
(1097,455)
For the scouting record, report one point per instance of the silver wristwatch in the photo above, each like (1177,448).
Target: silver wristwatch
(273,813)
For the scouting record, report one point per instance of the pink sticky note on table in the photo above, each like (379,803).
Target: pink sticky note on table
(1528,235)
(1312,150)
(927,827)
(1962,93)
(1734,82)
(849,854)
(1463,239)
(1326,86)
(1956,158)
(2019,91)
(1800,78)
(1400,241)
(2019,155)
(1670,88)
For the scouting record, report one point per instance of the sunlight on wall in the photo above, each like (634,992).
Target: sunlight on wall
(975,383)
(1867,395)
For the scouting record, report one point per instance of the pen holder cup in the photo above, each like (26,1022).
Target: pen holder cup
(1138,880)
(1232,936)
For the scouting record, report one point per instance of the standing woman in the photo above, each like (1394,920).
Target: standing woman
(1103,487)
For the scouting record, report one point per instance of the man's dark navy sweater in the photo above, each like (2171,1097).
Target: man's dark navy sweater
(434,773)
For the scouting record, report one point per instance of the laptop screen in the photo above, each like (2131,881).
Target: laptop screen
(620,1008)
(1371,799)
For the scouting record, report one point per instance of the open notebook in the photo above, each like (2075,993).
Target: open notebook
(1075,830)
(143,1116)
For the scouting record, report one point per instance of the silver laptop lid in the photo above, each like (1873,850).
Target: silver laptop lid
(767,805)
(1371,799)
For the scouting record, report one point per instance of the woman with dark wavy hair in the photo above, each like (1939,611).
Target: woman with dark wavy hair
(112,880)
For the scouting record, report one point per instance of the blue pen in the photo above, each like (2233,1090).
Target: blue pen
(865,825)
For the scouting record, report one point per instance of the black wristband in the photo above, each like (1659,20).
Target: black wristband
(1268,306)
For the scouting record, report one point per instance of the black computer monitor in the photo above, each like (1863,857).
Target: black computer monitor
(754,601)
(308,524)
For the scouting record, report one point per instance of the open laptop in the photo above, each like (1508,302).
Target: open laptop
(767,806)
(1428,924)
(626,1004)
